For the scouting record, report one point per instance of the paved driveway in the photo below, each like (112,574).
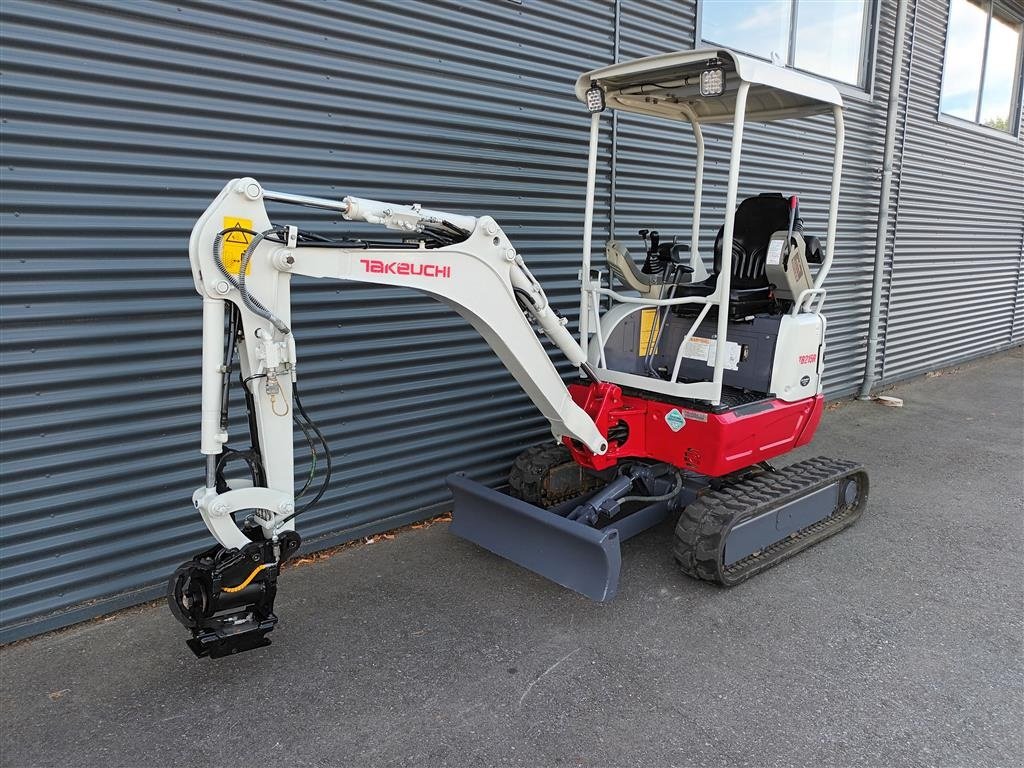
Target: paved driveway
(897,643)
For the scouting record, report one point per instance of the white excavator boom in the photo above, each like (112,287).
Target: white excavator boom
(237,256)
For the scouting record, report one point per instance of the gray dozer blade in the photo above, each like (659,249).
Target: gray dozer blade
(580,558)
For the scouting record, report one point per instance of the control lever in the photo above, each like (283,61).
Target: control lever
(653,265)
(679,255)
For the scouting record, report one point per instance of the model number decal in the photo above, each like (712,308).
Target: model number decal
(378,267)
(811,358)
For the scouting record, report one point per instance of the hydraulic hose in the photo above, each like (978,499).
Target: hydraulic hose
(250,301)
(663,497)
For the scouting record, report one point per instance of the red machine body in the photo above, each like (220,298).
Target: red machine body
(713,444)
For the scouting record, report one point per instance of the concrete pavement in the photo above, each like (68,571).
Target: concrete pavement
(898,642)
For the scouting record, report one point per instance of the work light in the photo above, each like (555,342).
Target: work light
(595,99)
(712,82)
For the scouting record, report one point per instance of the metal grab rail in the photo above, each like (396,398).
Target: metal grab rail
(712,299)
(602,361)
(809,295)
(686,340)
(640,304)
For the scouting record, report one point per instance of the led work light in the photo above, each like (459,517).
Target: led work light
(595,99)
(712,81)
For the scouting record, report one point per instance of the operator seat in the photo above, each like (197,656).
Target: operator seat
(757,218)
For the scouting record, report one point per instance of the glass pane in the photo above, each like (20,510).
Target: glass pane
(830,37)
(760,27)
(1000,71)
(965,48)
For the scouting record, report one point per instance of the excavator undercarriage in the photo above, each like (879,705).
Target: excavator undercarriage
(729,528)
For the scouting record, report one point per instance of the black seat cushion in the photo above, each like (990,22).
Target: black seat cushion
(757,218)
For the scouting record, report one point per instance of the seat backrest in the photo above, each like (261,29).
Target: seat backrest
(757,218)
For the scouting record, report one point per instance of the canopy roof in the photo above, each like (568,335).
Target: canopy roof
(668,85)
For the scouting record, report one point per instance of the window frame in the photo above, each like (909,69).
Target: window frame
(1016,93)
(864,90)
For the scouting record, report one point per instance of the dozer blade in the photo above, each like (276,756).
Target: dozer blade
(580,558)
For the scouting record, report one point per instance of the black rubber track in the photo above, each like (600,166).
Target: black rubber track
(546,475)
(704,525)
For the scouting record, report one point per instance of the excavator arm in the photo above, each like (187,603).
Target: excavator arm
(242,267)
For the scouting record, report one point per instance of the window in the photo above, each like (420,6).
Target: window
(981,76)
(824,38)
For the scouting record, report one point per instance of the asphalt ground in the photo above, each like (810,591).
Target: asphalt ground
(896,643)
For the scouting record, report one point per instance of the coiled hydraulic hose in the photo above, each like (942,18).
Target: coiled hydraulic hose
(250,301)
(258,308)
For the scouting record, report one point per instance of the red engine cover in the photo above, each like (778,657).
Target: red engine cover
(712,444)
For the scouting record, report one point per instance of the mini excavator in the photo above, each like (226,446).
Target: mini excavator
(690,380)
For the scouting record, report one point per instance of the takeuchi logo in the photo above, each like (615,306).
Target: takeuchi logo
(378,267)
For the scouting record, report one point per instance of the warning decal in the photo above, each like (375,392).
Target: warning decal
(675,420)
(648,332)
(704,350)
(234,244)
(697,349)
(732,354)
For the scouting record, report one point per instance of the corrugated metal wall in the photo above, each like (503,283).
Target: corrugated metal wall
(1017,334)
(956,272)
(123,120)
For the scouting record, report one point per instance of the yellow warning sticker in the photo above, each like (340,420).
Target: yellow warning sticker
(648,332)
(234,244)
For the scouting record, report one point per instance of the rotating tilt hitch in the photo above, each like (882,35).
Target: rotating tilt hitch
(226,596)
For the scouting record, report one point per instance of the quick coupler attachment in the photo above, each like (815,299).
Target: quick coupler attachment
(226,596)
